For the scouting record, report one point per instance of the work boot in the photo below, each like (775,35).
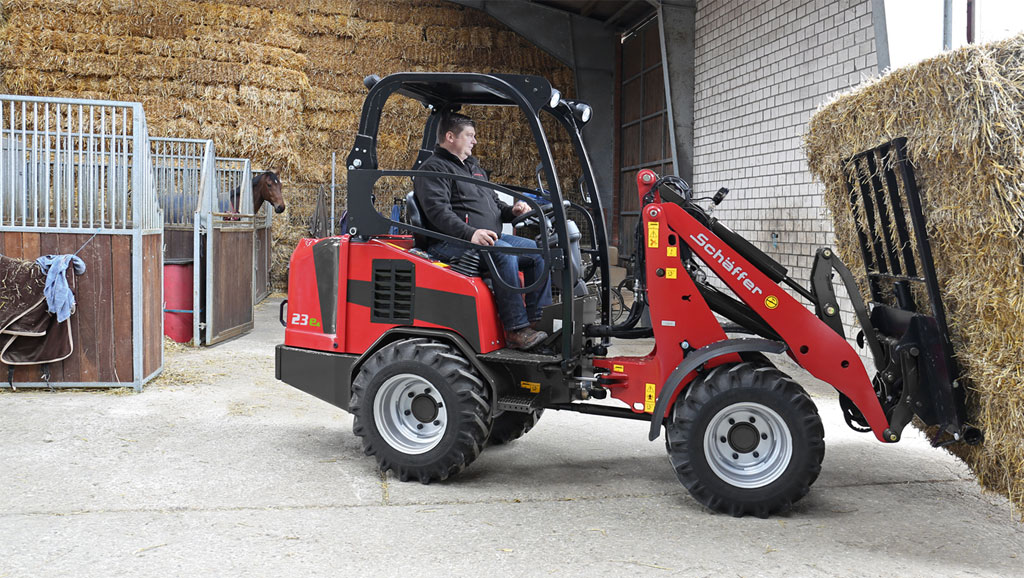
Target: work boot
(525,338)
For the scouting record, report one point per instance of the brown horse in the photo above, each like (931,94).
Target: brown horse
(266,187)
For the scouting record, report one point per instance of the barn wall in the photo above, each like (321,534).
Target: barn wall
(762,69)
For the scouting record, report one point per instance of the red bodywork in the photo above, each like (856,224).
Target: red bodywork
(356,332)
(679,314)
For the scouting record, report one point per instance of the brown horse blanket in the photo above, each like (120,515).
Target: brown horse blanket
(29,334)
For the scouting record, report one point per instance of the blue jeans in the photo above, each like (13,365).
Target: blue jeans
(515,315)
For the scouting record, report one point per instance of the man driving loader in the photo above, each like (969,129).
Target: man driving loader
(474,213)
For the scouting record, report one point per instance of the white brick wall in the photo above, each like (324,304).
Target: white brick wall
(762,69)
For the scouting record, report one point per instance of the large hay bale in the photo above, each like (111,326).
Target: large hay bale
(963,115)
(277,81)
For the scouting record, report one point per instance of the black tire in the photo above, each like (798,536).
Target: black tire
(625,289)
(421,410)
(746,439)
(625,292)
(513,425)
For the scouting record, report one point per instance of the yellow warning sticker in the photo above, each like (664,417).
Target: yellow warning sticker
(771,302)
(652,235)
(672,252)
(670,273)
(649,398)
(618,368)
(533,386)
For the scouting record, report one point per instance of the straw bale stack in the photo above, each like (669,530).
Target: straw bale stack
(963,115)
(277,81)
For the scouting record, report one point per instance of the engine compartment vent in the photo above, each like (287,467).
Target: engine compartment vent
(394,289)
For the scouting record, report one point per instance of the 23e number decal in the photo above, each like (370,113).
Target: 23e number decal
(303,319)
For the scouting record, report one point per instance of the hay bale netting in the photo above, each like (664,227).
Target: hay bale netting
(963,116)
(276,81)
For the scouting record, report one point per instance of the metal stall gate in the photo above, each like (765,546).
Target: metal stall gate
(75,177)
(182,168)
(208,224)
(229,252)
(237,174)
(263,256)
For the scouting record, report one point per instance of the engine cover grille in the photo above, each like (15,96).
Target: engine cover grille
(394,289)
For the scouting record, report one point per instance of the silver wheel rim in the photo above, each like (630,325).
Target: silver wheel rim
(401,410)
(748,445)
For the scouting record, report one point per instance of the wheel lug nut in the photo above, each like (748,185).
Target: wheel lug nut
(407,412)
(751,419)
(412,394)
(756,455)
(735,456)
(437,422)
(426,390)
(731,421)
(419,426)
(764,436)
(722,439)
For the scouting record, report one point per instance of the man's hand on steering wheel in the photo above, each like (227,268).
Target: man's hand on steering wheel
(519,208)
(484,237)
(546,210)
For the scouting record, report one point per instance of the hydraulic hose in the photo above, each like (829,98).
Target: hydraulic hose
(636,310)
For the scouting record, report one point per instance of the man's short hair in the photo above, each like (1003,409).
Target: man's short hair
(453,122)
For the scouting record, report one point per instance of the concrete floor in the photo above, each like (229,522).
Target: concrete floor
(219,470)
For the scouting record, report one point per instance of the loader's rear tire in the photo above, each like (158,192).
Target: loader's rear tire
(420,409)
(746,439)
(513,425)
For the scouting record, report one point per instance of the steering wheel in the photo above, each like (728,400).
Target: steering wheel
(547,211)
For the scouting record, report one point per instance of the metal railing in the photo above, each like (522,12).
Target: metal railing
(182,171)
(75,164)
(234,185)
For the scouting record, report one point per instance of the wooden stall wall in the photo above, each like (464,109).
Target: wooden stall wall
(232,290)
(101,325)
(179,244)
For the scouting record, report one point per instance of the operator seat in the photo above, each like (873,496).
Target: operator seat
(414,217)
(471,263)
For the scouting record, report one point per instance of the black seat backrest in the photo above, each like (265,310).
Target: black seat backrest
(414,217)
(471,263)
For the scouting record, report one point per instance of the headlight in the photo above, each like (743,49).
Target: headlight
(581,111)
(556,96)
(586,113)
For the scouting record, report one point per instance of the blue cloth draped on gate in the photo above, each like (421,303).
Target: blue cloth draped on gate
(59,297)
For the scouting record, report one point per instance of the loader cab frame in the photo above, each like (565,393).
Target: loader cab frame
(533,95)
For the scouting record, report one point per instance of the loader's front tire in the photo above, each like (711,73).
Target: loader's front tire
(746,439)
(513,425)
(421,410)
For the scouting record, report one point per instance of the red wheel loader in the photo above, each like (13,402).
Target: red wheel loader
(413,347)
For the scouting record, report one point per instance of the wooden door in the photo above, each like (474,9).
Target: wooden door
(644,141)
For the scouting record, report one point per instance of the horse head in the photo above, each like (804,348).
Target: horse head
(266,186)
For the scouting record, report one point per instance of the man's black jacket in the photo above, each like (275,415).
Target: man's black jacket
(458,208)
